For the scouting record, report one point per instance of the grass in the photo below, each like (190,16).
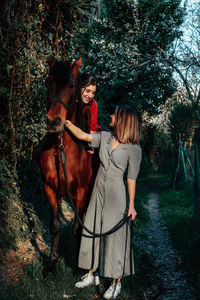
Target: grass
(178,208)
(155,179)
(32,285)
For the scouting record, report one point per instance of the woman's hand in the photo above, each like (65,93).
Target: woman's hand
(132,212)
(131,192)
(80,134)
(68,123)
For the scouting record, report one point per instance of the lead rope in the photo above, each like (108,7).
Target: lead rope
(115,228)
(131,258)
(93,238)
(112,230)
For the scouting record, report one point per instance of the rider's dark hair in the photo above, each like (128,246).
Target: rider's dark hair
(87,79)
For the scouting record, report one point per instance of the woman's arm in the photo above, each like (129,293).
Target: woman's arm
(81,135)
(131,192)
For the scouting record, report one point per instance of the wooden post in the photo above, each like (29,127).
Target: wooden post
(179,158)
(183,160)
(197,186)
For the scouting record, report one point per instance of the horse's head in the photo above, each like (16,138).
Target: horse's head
(61,92)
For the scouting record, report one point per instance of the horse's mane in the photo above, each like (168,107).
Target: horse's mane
(61,72)
(79,115)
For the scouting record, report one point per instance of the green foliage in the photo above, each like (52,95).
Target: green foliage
(157,148)
(33,286)
(141,204)
(121,48)
(31,32)
(181,121)
(156,180)
(18,219)
(161,21)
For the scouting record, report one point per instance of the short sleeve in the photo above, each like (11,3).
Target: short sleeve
(135,157)
(96,139)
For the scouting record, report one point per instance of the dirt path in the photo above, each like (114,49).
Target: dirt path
(172,279)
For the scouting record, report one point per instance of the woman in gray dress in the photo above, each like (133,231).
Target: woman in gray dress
(120,154)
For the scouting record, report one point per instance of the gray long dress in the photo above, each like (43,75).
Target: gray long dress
(109,200)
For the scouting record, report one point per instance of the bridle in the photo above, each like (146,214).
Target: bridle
(57,99)
(66,106)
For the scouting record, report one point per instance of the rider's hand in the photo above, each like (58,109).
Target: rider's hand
(132,212)
(90,152)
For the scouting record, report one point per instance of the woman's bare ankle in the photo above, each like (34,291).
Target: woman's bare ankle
(116,280)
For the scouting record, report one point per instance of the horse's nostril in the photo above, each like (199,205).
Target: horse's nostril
(57,121)
(47,121)
(52,124)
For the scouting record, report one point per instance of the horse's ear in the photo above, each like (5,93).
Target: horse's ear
(76,67)
(52,62)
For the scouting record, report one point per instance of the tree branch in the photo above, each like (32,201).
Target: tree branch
(184,81)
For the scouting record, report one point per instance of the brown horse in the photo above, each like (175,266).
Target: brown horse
(64,103)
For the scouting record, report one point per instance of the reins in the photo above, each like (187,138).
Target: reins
(112,230)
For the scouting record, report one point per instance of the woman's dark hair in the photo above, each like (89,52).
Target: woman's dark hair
(86,80)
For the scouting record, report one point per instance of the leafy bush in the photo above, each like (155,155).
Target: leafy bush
(181,121)
(18,218)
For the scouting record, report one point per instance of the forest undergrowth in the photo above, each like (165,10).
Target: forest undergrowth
(178,210)
(32,285)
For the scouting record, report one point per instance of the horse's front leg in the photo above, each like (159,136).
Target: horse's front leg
(81,201)
(54,204)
